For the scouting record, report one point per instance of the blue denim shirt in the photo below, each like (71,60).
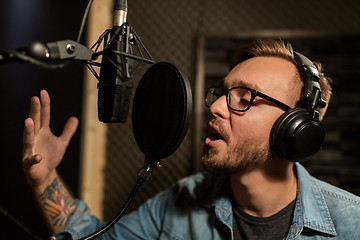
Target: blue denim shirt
(199,207)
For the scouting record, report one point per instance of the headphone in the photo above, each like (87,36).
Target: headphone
(298,133)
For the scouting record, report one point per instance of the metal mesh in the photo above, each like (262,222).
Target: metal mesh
(169,30)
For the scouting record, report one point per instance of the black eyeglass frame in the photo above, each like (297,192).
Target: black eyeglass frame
(254,94)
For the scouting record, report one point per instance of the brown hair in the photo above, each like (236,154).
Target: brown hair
(283,49)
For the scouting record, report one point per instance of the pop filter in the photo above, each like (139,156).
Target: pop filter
(160,117)
(161,111)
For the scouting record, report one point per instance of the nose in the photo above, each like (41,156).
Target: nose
(220,108)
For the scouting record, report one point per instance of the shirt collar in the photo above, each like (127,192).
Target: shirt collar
(311,210)
(220,193)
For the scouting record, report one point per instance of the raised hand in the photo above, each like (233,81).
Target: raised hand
(42,150)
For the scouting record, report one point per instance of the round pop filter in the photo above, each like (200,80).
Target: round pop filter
(161,111)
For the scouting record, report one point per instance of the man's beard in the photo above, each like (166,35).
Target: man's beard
(240,156)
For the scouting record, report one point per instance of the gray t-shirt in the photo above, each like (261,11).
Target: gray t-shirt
(247,227)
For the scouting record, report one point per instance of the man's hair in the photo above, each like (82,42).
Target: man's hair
(282,49)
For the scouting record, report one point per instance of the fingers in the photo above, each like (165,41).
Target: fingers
(45,109)
(40,116)
(28,144)
(34,113)
(28,138)
(69,129)
(40,111)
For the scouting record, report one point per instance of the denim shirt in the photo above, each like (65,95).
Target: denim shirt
(199,207)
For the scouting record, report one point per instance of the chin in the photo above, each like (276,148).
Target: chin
(234,162)
(217,164)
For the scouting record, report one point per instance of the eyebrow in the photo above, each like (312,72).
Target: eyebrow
(241,83)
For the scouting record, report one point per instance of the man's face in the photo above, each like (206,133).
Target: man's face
(239,141)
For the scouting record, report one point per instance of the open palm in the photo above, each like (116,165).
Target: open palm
(42,150)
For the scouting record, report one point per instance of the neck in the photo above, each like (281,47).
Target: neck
(264,191)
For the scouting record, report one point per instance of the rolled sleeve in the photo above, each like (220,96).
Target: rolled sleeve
(81,223)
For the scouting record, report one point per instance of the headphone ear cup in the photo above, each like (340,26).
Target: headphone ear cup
(296,135)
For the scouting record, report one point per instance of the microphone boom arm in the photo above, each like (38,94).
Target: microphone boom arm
(49,55)
(57,55)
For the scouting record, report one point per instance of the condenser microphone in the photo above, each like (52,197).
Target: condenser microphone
(115,81)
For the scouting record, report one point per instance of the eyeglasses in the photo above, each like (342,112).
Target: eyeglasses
(239,98)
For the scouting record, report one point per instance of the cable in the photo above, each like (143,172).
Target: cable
(86,13)
(143,176)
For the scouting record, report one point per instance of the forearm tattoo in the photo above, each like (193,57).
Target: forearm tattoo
(58,204)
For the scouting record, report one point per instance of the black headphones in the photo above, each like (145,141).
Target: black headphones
(298,133)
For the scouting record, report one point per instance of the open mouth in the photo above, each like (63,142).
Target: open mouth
(214,134)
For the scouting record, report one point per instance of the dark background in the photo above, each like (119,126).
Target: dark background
(21,23)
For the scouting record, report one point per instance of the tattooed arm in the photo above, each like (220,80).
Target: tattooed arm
(42,153)
(57,205)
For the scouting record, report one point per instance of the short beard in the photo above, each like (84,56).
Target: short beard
(240,157)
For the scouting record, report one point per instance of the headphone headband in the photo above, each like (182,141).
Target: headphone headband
(306,67)
(311,77)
